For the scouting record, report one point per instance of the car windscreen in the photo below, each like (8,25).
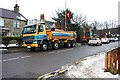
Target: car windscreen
(93,39)
(29,29)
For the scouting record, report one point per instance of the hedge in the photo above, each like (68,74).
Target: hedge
(6,39)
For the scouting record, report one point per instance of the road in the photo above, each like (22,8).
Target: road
(32,64)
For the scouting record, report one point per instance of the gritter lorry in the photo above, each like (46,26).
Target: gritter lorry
(86,35)
(40,36)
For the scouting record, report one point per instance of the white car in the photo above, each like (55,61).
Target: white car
(2,45)
(113,39)
(94,41)
(12,45)
(105,40)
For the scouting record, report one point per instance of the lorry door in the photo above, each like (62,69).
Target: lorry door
(41,34)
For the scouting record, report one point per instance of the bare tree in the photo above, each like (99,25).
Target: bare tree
(106,24)
(94,26)
(79,19)
(113,23)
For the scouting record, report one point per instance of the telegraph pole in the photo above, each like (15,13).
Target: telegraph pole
(65,16)
(16,1)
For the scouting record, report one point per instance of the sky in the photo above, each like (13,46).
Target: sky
(99,10)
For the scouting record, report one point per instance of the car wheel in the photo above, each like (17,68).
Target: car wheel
(98,44)
(89,44)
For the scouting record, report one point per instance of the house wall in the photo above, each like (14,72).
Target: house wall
(14,30)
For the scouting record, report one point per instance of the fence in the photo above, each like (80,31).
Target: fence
(112,61)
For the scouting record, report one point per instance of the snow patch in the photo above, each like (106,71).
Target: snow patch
(89,67)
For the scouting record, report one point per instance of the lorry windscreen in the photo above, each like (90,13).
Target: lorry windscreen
(87,34)
(29,29)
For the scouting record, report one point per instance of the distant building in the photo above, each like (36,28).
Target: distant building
(11,22)
(112,31)
(49,24)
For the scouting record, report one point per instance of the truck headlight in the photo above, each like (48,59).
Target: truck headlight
(23,42)
(35,41)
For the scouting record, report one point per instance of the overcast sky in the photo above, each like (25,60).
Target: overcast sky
(99,10)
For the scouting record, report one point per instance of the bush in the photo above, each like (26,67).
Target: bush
(11,40)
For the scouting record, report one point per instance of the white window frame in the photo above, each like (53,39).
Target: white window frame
(2,22)
(16,24)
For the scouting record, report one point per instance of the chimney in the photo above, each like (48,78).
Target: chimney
(16,8)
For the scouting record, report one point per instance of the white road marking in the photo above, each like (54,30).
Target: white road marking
(3,49)
(65,50)
(26,57)
(52,52)
(14,50)
(11,59)
(17,53)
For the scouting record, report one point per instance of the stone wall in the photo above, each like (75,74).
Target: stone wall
(13,31)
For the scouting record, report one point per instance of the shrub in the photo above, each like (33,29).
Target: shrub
(11,40)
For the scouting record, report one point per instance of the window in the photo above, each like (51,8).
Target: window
(1,22)
(40,28)
(16,24)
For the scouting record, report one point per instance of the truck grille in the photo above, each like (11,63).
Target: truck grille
(28,39)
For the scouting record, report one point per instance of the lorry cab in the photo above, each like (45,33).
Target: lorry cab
(86,35)
(33,34)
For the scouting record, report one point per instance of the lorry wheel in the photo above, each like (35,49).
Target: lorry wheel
(68,44)
(32,49)
(44,46)
(55,45)
(73,44)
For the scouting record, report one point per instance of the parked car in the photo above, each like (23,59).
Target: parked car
(12,45)
(2,45)
(113,39)
(94,41)
(105,40)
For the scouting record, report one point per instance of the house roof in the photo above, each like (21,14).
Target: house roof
(11,14)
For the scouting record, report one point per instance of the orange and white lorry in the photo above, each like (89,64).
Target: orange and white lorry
(86,35)
(40,36)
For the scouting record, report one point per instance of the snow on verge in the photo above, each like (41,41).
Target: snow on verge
(89,67)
